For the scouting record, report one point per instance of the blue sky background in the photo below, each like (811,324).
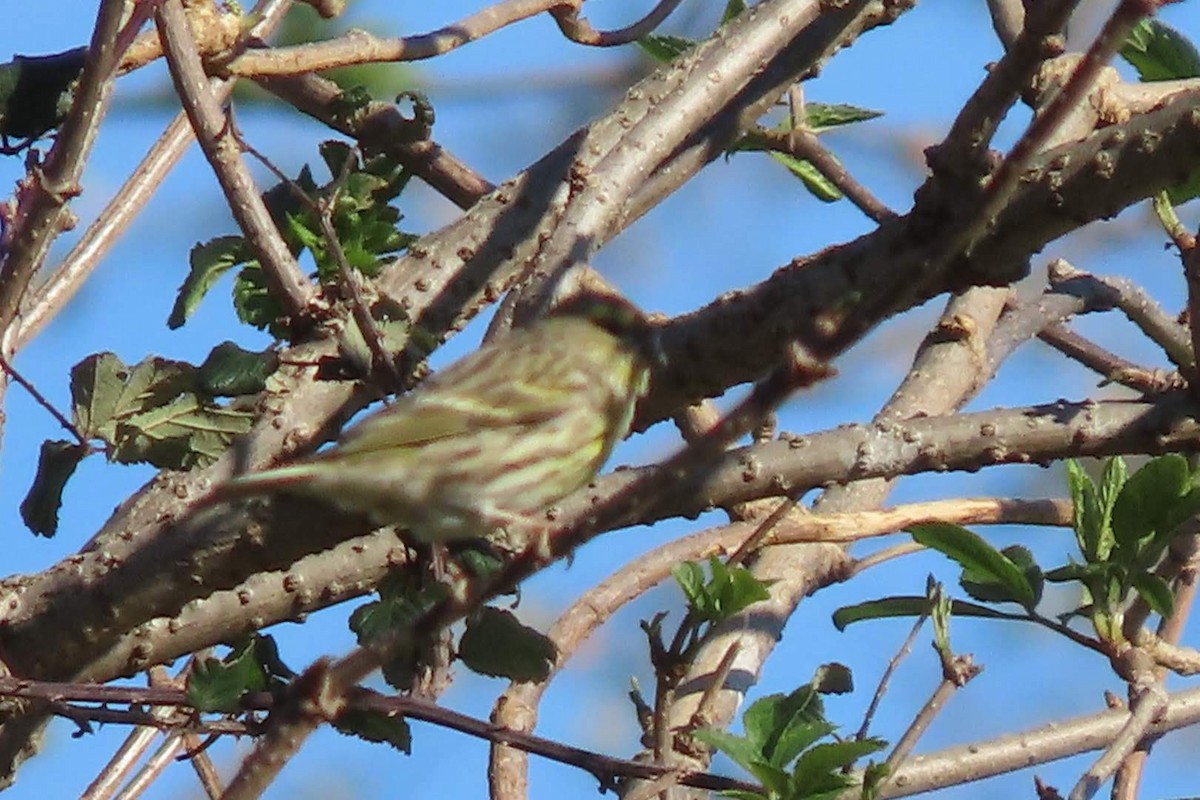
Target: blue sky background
(730,227)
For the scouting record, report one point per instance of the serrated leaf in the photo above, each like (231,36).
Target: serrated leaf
(496,644)
(230,371)
(768,718)
(208,262)
(56,463)
(833,678)
(665,48)
(376,726)
(185,433)
(104,391)
(906,606)
(739,749)
(1159,52)
(1155,592)
(974,554)
(824,761)
(217,686)
(253,302)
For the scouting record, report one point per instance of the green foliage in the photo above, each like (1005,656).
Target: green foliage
(728,591)
(36,94)
(357,201)
(230,371)
(1160,53)
(157,411)
(218,685)
(1123,526)
(56,463)
(496,644)
(401,603)
(984,567)
(376,726)
(817,117)
(782,748)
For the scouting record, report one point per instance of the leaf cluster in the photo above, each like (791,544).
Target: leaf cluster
(158,411)
(783,748)
(356,204)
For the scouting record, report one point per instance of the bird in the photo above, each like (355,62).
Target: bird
(504,432)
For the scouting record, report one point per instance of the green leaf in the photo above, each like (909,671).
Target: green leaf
(728,591)
(185,433)
(1155,592)
(376,726)
(823,116)
(56,463)
(823,760)
(400,603)
(982,588)
(739,749)
(1092,531)
(36,92)
(906,606)
(982,561)
(495,643)
(817,184)
(665,48)
(218,686)
(771,717)
(1147,499)
(105,392)
(833,678)
(1159,52)
(254,303)
(209,261)
(230,371)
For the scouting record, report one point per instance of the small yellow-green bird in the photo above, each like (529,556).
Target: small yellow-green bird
(507,431)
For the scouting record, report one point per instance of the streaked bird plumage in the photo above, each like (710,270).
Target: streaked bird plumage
(506,431)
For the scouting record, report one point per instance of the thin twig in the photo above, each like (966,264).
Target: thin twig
(283,274)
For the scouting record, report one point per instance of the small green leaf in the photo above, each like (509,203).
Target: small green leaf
(56,463)
(376,726)
(833,678)
(218,686)
(209,261)
(495,643)
(1155,592)
(909,606)
(817,184)
(230,371)
(982,561)
(1092,530)
(823,116)
(664,48)
(1159,52)
(728,591)
(254,303)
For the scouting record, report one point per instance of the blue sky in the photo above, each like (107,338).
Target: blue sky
(730,227)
